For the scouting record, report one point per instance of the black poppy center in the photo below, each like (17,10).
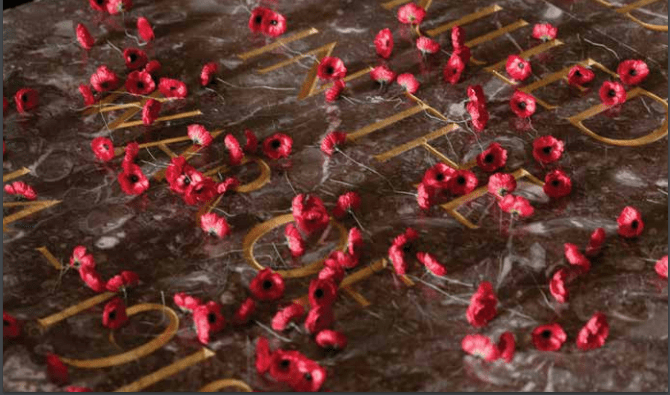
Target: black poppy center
(611,93)
(406,248)
(634,224)
(632,72)
(330,70)
(460,180)
(555,183)
(522,105)
(578,73)
(100,2)
(187,181)
(267,284)
(546,333)
(5,323)
(275,144)
(103,84)
(547,150)
(132,57)
(211,318)
(105,147)
(454,70)
(24,97)
(140,85)
(285,363)
(308,376)
(112,315)
(488,158)
(133,178)
(173,87)
(258,19)
(319,293)
(521,65)
(439,176)
(274,22)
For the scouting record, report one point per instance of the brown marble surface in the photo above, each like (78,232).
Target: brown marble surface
(408,339)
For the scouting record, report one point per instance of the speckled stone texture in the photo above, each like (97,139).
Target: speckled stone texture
(409,338)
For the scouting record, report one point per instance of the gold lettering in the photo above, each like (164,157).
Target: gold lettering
(627,9)
(464,20)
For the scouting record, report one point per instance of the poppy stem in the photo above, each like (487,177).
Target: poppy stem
(358,222)
(273,332)
(289,183)
(279,254)
(115,47)
(365,167)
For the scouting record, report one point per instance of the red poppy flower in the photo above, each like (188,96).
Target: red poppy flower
(22,189)
(287,315)
(310,377)
(56,370)
(144,29)
(558,285)
(549,337)
(284,365)
(84,37)
(630,222)
(332,141)
(492,158)
(104,79)
(200,191)
(594,333)
(522,104)
(322,292)
(134,58)
(384,43)
(480,346)
(263,355)
(431,263)
(131,152)
(114,315)
(397,257)
(319,318)
(214,225)
(518,205)
(346,203)
(273,24)
(661,267)
(482,308)
(547,149)
(256,19)
(86,93)
(10,326)
(117,6)
(186,302)
(98,5)
(208,320)
(411,14)
(244,312)
(80,258)
(309,213)
(230,184)
(153,67)
(333,93)
(427,45)
(408,82)
(406,238)
(343,259)
(208,72)
(425,196)
(150,110)
(632,72)
(518,68)
(330,339)
(132,181)
(476,94)
(580,75)
(355,243)
(73,388)
(507,346)
(332,271)
(331,68)
(140,83)
(122,281)
(277,146)
(179,174)
(294,239)
(382,74)
(172,88)
(199,135)
(26,99)
(463,182)
(596,242)
(103,148)
(92,279)
(479,114)
(544,31)
(438,176)
(612,93)
(457,37)
(235,153)
(267,286)
(453,69)
(557,184)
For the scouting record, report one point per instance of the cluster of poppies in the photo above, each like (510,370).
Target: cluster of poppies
(264,20)
(21,189)
(405,244)
(290,367)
